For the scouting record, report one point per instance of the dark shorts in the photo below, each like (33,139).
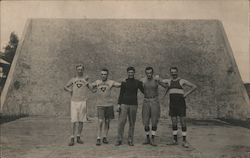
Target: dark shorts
(177,105)
(105,112)
(151,111)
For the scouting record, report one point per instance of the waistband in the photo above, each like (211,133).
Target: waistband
(153,97)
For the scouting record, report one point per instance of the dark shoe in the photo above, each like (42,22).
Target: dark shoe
(185,144)
(72,142)
(104,140)
(118,143)
(147,141)
(174,142)
(78,140)
(98,142)
(152,142)
(130,143)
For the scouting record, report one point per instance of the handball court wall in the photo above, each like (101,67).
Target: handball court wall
(50,48)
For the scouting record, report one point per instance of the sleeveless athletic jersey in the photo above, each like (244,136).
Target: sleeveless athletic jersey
(104,92)
(175,86)
(150,88)
(79,89)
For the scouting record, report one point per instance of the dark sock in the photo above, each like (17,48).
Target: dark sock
(175,137)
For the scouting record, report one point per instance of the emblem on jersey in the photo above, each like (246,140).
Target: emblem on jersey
(103,89)
(79,84)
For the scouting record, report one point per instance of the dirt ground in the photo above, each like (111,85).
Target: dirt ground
(48,137)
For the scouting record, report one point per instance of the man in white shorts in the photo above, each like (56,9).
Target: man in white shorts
(105,109)
(78,87)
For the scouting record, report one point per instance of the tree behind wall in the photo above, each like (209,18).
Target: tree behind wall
(8,55)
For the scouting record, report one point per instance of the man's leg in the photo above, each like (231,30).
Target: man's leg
(106,130)
(145,119)
(109,114)
(100,115)
(132,119)
(121,123)
(73,127)
(74,120)
(155,115)
(175,128)
(80,126)
(184,130)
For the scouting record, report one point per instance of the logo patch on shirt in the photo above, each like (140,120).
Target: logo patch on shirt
(79,83)
(103,89)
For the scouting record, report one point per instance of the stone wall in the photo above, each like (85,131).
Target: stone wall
(198,47)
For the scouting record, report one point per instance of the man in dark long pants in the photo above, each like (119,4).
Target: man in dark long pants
(177,106)
(128,105)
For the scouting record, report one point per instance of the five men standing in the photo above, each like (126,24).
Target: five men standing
(128,104)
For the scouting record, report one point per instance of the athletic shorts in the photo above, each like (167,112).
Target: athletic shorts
(105,112)
(78,111)
(177,106)
(151,110)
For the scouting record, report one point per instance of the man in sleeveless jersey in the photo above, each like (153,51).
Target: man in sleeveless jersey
(105,109)
(78,87)
(128,104)
(151,106)
(177,106)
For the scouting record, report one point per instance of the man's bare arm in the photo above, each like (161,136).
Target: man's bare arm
(189,84)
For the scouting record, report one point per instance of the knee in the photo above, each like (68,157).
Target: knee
(174,127)
(184,128)
(146,128)
(100,121)
(154,128)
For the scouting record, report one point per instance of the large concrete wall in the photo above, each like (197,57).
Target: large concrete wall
(198,47)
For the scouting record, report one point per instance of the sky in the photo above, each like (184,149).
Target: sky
(233,14)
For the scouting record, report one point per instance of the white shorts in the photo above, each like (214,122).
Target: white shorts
(78,111)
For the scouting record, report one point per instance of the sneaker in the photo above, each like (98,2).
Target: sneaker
(130,143)
(72,142)
(147,141)
(185,144)
(174,142)
(118,143)
(104,140)
(98,142)
(78,140)
(152,142)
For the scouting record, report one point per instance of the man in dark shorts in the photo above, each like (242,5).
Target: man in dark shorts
(105,109)
(128,105)
(151,106)
(177,106)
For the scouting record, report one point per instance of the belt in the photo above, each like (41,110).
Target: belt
(151,97)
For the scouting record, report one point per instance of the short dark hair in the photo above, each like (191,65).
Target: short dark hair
(173,68)
(149,68)
(130,68)
(105,69)
(80,65)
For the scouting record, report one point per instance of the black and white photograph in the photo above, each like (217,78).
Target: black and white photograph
(124,78)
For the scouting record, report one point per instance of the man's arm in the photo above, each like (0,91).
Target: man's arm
(68,86)
(141,87)
(92,87)
(160,81)
(189,84)
(121,93)
(116,84)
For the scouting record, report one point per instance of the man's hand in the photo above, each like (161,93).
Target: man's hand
(118,108)
(157,77)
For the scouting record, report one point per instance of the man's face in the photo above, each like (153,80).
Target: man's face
(131,74)
(149,73)
(104,75)
(174,73)
(79,71)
